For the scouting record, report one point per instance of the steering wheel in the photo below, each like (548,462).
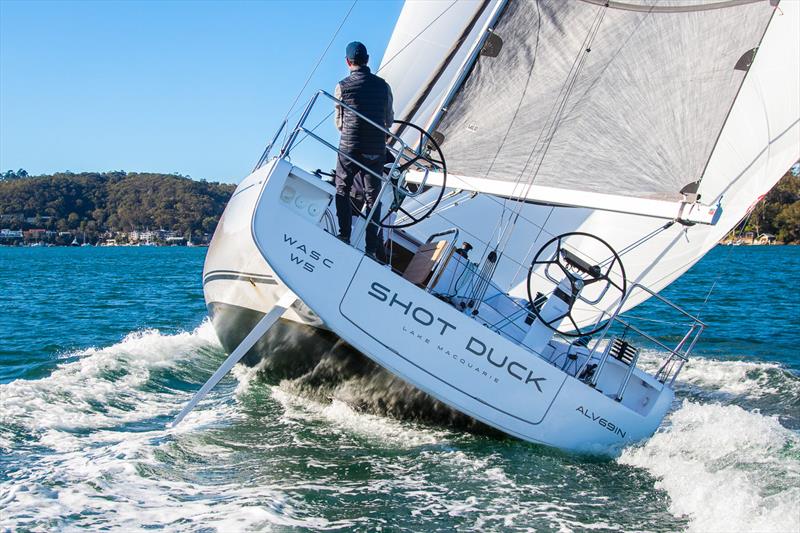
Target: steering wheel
(580,274)
(428,156)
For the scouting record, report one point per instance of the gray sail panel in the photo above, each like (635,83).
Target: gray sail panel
(642,115)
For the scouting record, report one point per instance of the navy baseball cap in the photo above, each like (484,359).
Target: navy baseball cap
(356,50)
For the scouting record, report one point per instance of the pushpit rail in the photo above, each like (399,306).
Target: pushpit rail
(403,152)
(678,355)
(404,157)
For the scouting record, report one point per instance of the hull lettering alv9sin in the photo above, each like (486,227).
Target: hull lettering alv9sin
(589,152)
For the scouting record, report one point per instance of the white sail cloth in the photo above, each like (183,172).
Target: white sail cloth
(637,115)
(429,44)
(758,141)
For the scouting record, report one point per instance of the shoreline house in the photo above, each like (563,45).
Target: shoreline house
(39,235)
(9,236)
(766,239)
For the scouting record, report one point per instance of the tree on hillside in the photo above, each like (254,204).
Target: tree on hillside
(11,175)
(114,201)
(788,223)
(775,213)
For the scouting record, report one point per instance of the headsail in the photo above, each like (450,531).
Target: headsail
(429,44)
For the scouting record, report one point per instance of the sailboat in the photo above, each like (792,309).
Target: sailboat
(556,163)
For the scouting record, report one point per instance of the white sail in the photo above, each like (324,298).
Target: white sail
(602,99)
(757,138)
(430,42)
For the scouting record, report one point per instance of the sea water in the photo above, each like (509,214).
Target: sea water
(100,347)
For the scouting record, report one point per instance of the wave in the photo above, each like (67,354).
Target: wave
(133,381)
(86,446)
(725,468)
(752,379)
(760,386)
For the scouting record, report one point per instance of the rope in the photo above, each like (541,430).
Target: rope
(548,130)
(567,91)
(726,269)
(423,30)
(498,224)
(311,75)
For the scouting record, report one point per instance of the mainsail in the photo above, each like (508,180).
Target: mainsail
(671,93)
(602,99)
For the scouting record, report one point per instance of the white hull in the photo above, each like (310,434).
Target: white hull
(547,406)
(272,240)
(240,287)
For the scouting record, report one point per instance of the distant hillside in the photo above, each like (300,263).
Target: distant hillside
(779,212)
(111,202)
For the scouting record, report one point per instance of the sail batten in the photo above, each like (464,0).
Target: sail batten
(640,118)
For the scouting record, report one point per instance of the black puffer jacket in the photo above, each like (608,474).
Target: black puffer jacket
(369,95)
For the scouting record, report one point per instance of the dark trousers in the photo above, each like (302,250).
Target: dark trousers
(346,173)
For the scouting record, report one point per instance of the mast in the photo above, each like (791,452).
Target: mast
(466,67)
(443,66)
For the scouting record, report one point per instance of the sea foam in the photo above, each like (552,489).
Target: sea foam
(84,445)
(104,387)
(725,468)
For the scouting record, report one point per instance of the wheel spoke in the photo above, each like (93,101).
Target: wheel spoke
(406,213)
(406,165)
(556,319)
(563,269)
(577,329)
(543,262)
(593,280)
(613,262)
(616,286)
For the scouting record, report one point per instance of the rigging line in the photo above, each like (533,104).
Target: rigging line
(542,229)
(499,223)
(522,96)
(556,114)
(533,242)
(566,90)
(613,58)
(503,203)
(417,36)
(693,261)
(560,113)
(314,70)
(635,244)
(475,238)
(550,125)
(727,266)
(321,57)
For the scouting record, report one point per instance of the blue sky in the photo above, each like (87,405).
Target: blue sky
(196,88)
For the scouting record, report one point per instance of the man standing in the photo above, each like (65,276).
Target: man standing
(371,97)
